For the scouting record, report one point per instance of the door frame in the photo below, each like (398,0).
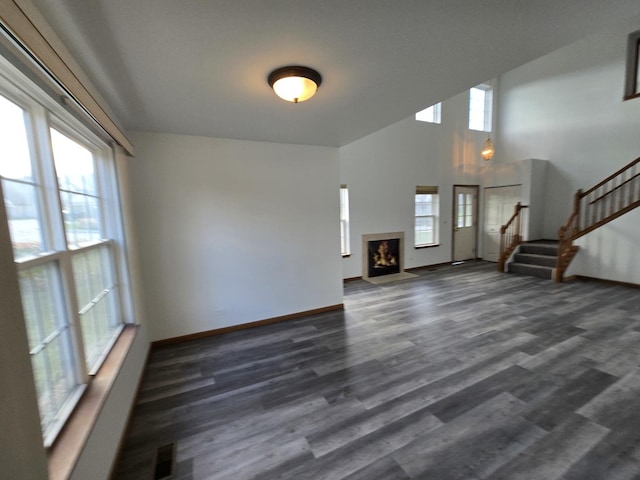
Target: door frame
(475,216)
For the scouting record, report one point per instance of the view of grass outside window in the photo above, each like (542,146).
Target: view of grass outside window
(344,221)
(426,216)
(56,179)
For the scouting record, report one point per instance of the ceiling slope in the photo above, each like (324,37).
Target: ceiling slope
(199,67)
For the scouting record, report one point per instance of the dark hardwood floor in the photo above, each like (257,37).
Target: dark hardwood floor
(460,373)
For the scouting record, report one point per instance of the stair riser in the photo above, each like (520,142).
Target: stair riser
(540,250)
(545,261)
(535,271)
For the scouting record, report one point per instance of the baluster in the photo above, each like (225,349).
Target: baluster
(603,205)
(517,222)
(632,181)
(611,200)
(621,193)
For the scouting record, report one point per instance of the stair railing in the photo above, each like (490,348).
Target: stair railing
(614,196)
(510,236)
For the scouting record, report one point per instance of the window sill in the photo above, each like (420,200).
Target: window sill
(631,97)
(346,255)
(418,247)
(66,450)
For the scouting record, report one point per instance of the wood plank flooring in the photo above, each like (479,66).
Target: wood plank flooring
(460,373)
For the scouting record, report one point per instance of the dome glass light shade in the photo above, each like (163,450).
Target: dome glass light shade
(295,84)
(488,149)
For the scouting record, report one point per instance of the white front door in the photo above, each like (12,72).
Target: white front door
(499,205)
(464,222)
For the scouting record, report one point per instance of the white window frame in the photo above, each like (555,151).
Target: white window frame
(481,112)
(345,243)
(434,216)
(44,113)
(432,114)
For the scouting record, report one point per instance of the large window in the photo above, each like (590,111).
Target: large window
(432,114)
(60,195)
(426,216)
(480,111)
(345,248)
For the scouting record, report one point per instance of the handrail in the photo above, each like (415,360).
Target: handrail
(629,180)
(609,199)
(510,236)
(612,176)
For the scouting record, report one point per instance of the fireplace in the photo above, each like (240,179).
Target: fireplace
(382,254)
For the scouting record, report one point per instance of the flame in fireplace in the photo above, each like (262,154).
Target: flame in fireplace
(383,258)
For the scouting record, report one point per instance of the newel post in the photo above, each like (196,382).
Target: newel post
(576,209)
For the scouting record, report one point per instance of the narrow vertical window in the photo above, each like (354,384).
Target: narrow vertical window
(465,210)
(480,107)
(430,114)
(345,249)
(426,216)
(632,81)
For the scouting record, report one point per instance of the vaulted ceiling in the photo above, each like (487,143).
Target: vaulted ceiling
(199,67)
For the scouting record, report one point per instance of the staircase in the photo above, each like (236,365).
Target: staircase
(612,197)
(537,259)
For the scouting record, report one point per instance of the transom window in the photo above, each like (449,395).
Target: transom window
(480,107)
(426,216)
(60,195)
(432,114)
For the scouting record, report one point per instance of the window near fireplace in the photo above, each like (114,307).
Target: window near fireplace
(426,216)
(345,248)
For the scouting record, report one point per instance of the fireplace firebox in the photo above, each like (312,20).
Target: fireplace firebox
(382,254)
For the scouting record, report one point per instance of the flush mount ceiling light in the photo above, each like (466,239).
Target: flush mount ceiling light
(488,150)
(295,83)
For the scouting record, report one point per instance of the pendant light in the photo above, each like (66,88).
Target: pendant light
(488,150)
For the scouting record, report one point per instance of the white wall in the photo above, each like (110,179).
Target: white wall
(567,107)
(233,231)
(383,169)
(611,251)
